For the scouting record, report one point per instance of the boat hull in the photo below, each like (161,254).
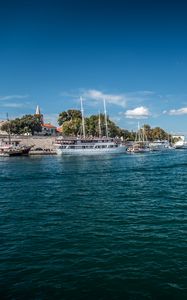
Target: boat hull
(93,151)
(180,147)
(5,151)
(138,150)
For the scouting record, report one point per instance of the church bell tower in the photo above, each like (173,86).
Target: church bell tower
(38,114)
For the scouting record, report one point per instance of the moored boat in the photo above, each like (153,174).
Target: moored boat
(9,147)
(140,145)
(89,146)
(86,145)
(159,145)
(181,143)
(11,150)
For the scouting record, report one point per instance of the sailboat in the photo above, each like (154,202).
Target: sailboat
(86,145)
(140,145)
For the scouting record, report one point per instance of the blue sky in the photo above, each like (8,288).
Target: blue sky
(132,53)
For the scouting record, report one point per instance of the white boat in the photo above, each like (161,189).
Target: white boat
(89,145)
(159,145)
(181,143)
(86,146)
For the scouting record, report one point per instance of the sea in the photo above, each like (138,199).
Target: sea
(101,227)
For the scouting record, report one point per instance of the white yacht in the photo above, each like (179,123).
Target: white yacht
(181,143)
(89,145)
(159,145)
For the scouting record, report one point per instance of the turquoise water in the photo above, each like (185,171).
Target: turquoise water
(94,228)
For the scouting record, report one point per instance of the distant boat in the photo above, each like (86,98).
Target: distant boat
(159,145)
(181,144)
(140,145)
(10,148)
(89,145)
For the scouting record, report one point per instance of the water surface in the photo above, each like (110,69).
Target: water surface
(94,227)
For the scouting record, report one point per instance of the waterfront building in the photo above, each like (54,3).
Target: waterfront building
(49,129)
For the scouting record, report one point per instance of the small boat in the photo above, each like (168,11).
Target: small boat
(4,149)
(140,145)
(12,150)
(20,151)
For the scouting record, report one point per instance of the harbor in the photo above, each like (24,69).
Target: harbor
(47,139)
(49,145)
(93,150)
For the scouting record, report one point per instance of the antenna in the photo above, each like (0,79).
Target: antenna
(99,124)
(83,124)
(106,124)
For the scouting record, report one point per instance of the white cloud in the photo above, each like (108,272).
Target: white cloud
(16,105)
(96,95)
(142,93)
(138,113)
(13,105)
(177,112)
(10,97)
(119,99)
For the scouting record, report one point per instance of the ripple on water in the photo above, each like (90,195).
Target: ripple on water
(94,228)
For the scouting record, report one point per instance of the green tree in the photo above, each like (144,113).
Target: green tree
(159,134)
(72,127)
(71,122)
(148,131)
(27,123)
(69,115)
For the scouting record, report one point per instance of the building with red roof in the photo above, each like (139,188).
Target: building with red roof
(49,129)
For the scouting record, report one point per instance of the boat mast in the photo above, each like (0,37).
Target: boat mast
(83,124)
(99,124)
(143,134)
(106,124)
(138,132)
(9,139)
